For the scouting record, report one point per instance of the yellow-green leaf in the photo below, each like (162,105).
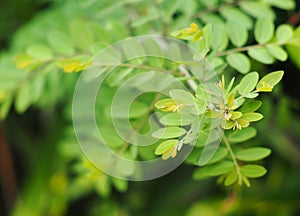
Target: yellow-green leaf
(267,83)
(165,146)
(23,60)
(168,105)
(252,117)
(231,178)
(169,132)
(253,171)
(252,154)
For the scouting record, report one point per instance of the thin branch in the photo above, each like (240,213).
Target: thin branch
(7,172)
(140,67)
(233,157)
(246,48)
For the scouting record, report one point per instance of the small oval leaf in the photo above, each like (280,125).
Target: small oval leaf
(253,171)
(169,132)
(252,154)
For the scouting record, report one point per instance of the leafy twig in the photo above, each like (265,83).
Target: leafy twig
(246,48)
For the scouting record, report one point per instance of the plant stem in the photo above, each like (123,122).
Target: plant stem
(234,160)
(246,48)
(141,67)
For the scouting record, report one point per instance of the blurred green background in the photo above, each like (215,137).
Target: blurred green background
(34,173)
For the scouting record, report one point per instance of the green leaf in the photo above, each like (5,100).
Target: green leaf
(230,100)
(207,35)
(60,43)
(246,181)
(252,154)
(171,8)
(40,52)
(102,186)
(229,125)
(229,87)
(125,168)
(37,87)
(142,20)
(237,33)
(202,94)
(239,61)
(240,136)
(165,146)
(120,184)
(174,52)
(200,107)
(212,19)
(191,33)
(261,55)
(138,109)
(81,34)
(284,33)
(282,4)
(233,13)
(252,117)
(234,90)
(117,30)
(264,30)
(257,9)
(213,170)
(23,99)
(167,105)
(118,76)
(293,47)
(153,49)
(176,119)
(182,96)
(277,52)
(205,41)
(219,37)
(253,171)
(23,60)
(248,83)
(243,123)
(133,50)
(235,115)
(5,107)
(238,102)
(231,178)
(268,82)
(111,137)
(169,132)
(110,56)
(218,155)
(214,114)
(250,106)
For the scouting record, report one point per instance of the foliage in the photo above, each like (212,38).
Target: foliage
(236,40)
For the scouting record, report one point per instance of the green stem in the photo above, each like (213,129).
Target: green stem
(233,157)
(246,48)
(141,67)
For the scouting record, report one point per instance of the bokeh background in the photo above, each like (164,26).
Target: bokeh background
(34,173)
